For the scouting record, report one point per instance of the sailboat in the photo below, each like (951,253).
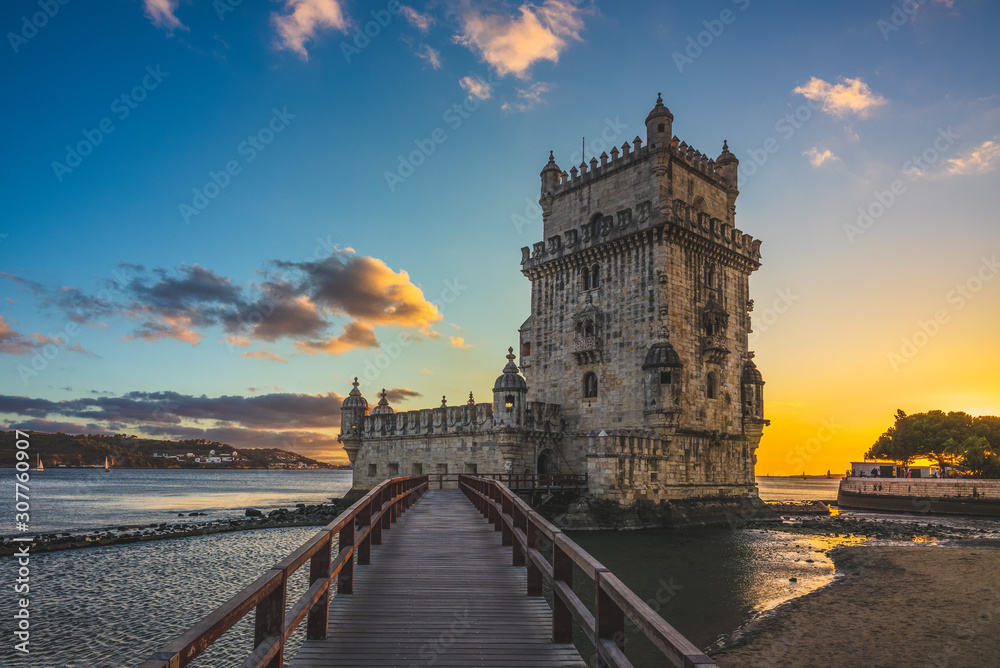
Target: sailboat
(40,467)
(106,467)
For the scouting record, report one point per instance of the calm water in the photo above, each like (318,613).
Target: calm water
(83,499)
(115,605)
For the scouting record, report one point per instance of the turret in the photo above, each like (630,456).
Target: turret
(659,126)
(551,175)
(352,416)
(727,165)
(662,375)
(510,395)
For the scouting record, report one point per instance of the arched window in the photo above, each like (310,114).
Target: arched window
(588,329)
(710,275)
(509,402)
(712,385)
(595,226)
(590,385)
(595,276)
(709,328)
(586,278)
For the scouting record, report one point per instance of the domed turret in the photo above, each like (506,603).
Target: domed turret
(662,376)
(510,395)
(659,126)
(551,175)
(662,355)
(383,407)
(727,164)
(353,411)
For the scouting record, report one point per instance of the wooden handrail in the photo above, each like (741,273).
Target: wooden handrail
(613,600)
(358,528)
(517,481)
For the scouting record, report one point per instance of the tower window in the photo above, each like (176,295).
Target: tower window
(595,276)
(588,328)
(712,386)
(590,385)
(661,127)
(509,402)
(664,378)
(595,226)
(586,278)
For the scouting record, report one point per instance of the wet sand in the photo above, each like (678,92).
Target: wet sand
(890,606)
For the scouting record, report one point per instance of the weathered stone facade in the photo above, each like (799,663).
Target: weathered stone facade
(635,354)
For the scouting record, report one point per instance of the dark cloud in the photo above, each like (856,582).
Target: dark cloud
(55,427)
(15,343)
(397,394)
(144,409)
(301,301)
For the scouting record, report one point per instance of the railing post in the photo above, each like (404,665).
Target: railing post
(562,571)
(364,548)
(534,572)
(506,507)
(269,620)
(609,619)
(345,581)
(319,569)
(386,509)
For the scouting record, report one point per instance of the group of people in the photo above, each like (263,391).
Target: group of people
(897,472)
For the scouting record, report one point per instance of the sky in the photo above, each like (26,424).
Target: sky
(219,212)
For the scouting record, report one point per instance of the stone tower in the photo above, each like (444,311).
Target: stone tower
(639,319)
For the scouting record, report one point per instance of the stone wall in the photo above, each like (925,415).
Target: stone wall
(941,488)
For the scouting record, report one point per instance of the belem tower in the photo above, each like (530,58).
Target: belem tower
(633,364)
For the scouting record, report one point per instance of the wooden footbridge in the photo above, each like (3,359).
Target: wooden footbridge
(454,584)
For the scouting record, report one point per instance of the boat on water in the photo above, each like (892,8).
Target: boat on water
(106,467)
(40,466)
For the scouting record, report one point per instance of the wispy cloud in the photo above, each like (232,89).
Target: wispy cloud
(979,160)
(818,157)
(850,96)
(459,342)
(303,20)
(421,22)
(162,14)
(513,43)
(431,56)
(265,355)
(528,98)
(354,335)
(15,343)
(476,88)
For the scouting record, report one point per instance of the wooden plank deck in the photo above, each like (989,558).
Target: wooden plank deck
(440,591)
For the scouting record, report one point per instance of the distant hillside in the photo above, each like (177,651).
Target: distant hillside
(127,451)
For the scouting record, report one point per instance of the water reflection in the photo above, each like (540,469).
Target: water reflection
(708,582)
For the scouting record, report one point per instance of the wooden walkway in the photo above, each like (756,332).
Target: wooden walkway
(440,591)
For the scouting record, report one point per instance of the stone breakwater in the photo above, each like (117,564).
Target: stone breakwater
(962,496)
(301,515)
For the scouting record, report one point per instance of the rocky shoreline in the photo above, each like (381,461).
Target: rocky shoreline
(301,515)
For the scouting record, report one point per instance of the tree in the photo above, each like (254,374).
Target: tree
(896,443)
(954,439)
(977,458)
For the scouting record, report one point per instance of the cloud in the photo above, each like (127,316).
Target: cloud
(512,44)
(264,355)
(477,88)
(303,20)
(161,13)
(355,335)
(15,343)
(430,56)
(301,301)
(459,342)
(268,411)
(427,371)
(397,394)
(979,160)
(421,22)
(817,157)
(56,427)
(850,96)
(527,98)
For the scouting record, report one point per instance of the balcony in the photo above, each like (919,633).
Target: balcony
(587,349)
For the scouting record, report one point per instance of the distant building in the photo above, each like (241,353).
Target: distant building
(635,356)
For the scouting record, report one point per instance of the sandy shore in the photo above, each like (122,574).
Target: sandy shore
(892,606)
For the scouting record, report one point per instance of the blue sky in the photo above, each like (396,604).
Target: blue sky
(491,87)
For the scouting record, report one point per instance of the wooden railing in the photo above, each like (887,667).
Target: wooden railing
(516,482)
(525,530)
(357,529)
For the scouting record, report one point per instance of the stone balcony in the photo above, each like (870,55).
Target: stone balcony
(587,349)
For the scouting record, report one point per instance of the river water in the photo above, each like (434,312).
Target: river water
(115,605)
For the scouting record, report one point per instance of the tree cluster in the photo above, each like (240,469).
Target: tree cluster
(956,440)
